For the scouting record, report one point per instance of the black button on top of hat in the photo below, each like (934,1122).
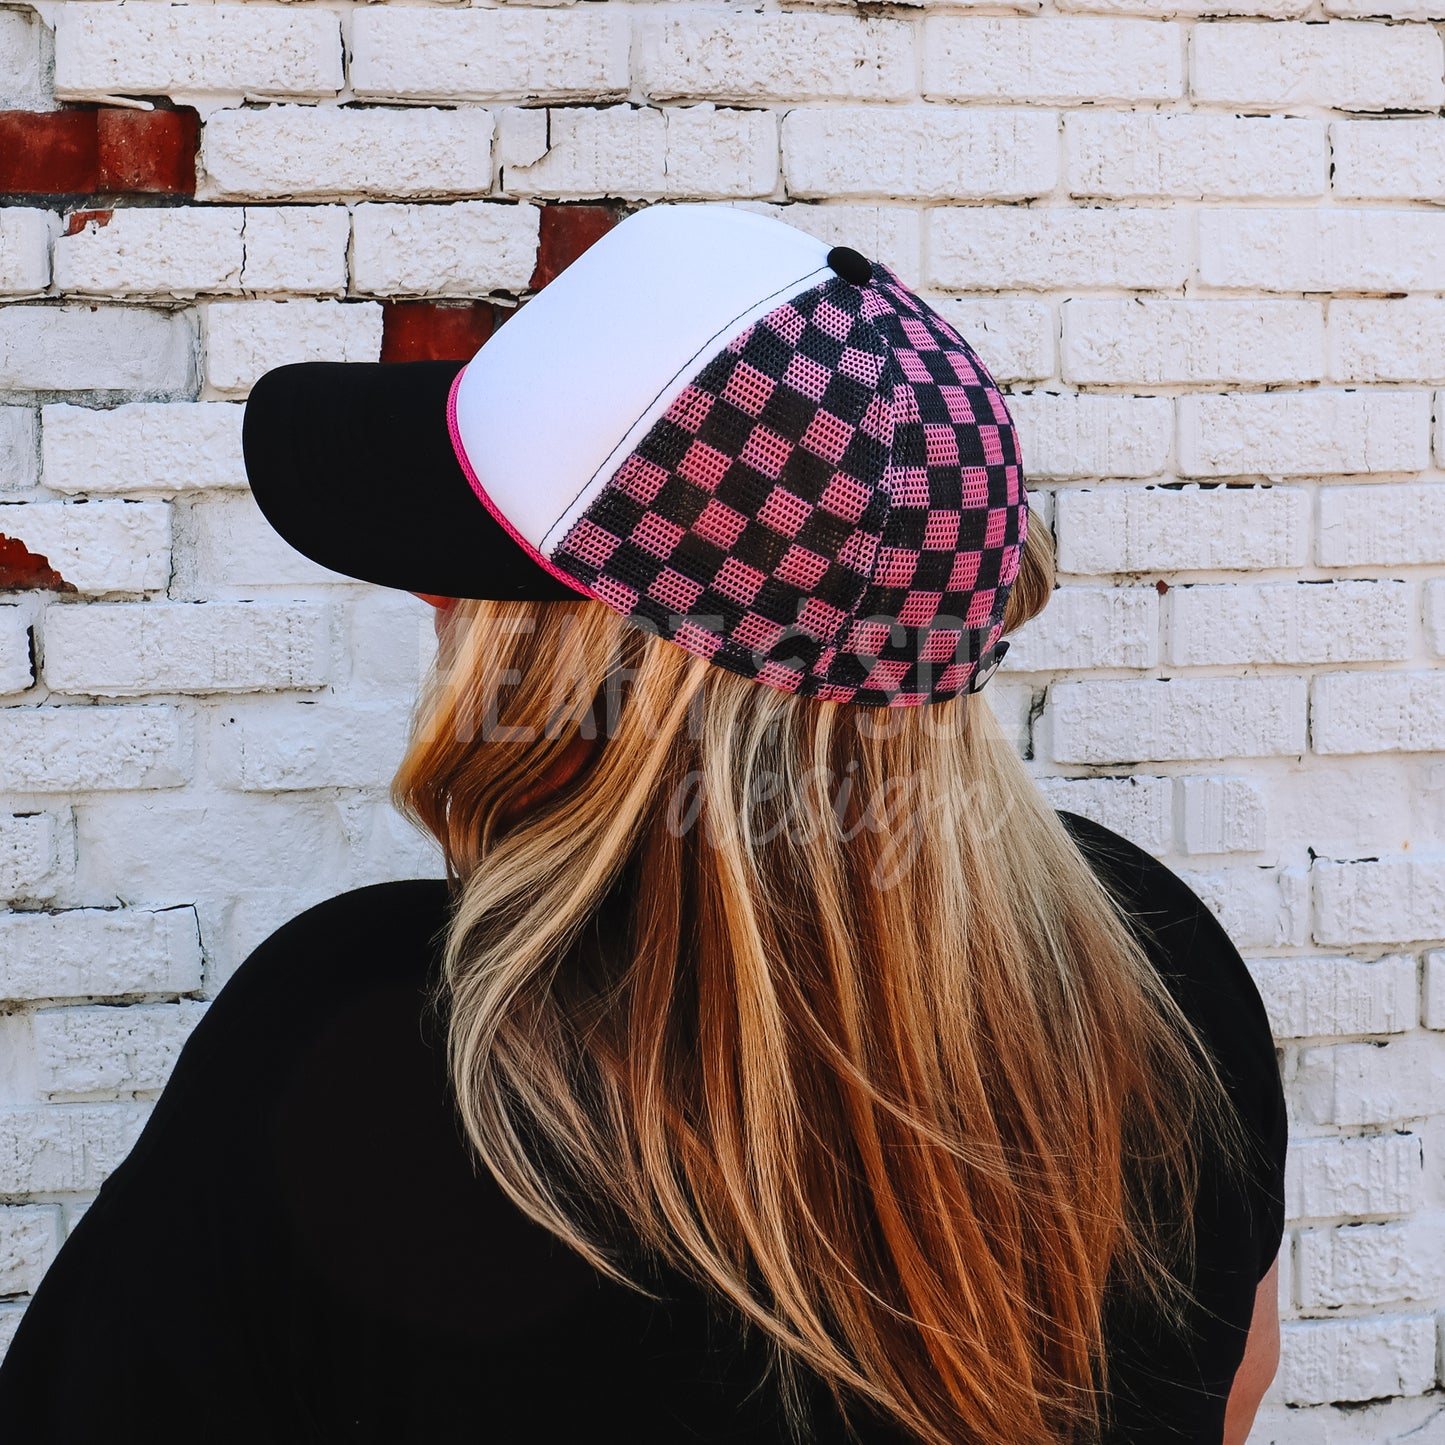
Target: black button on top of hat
(850,265)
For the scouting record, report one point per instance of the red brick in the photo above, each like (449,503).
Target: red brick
(48,153)
(567,231)
(434,330)
(152,151)
(22,570)
(77,221)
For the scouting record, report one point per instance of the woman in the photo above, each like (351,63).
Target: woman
(773,1063)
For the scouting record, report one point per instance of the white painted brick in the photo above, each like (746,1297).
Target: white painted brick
(162,847)
(281,746)
(1311,997)
(1387,9)
(19,444)
(1257,907)
(1378,712)
(99,953)
(944,4)
(1366,1264)
(1397,1421)
(1434,595)
(1177,719)
(246,338)
(468,249)
(1343,65)
(1433,1012)
(22,65)
(891,234)
(1304,433)
(927,152)
(1388,340)
(15,669)
(70,749)
(1330,249)
(1120,154)
(1324,1360)
(88,348)
(1167,529)
(1012,707)
(699,152)
(733,55)
(225,547)
(1013,336)
(1289,622)
(301,152)
(1139,809)
(97,546)
(55,1148)
(105,1049)
(1223,815)
(1356,530)
(1354,807)
(1366,1174)
(1085,627)
(141,251)
(29,861)
(1072,58)
(1379,900)
(148,647)
(1389,159)
(970,248)
(489,54)
(1273,9)
(1134,342)
(1065,436)
(25,237)
(1358,1084)
(714,153)
(392,643)
(10,1314)
(296,248)
(104,50)
(29,1237)
(143,447)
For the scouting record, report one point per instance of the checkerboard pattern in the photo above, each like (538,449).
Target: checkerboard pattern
(834,505)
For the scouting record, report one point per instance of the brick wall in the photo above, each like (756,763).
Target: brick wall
(1201,241)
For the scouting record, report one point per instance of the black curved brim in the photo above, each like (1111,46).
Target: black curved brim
(351,462)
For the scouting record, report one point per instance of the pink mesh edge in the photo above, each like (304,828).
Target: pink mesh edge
(486,501)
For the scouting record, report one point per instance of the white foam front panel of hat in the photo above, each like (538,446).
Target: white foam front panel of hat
(562,393)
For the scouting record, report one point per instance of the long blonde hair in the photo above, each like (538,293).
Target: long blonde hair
(872,1054)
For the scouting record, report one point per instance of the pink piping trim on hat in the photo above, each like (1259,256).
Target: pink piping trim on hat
(491,506)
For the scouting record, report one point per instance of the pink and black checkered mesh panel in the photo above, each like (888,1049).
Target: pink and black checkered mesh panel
(834,506)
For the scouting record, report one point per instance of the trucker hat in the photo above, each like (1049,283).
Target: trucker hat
(765,449)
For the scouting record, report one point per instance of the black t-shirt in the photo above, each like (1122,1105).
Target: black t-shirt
(299,1247)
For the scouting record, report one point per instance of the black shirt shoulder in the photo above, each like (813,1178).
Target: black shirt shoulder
(301,1245)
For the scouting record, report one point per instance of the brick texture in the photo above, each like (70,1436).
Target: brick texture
(104,50)
(1118,154)
(99,952)
(1341,65)
(1182,529)
(435,331)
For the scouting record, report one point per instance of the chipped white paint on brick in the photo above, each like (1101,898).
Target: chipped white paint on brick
(471,248)
(99,952)
(263,51)
(1198,240)
(143,447)
(246,338)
